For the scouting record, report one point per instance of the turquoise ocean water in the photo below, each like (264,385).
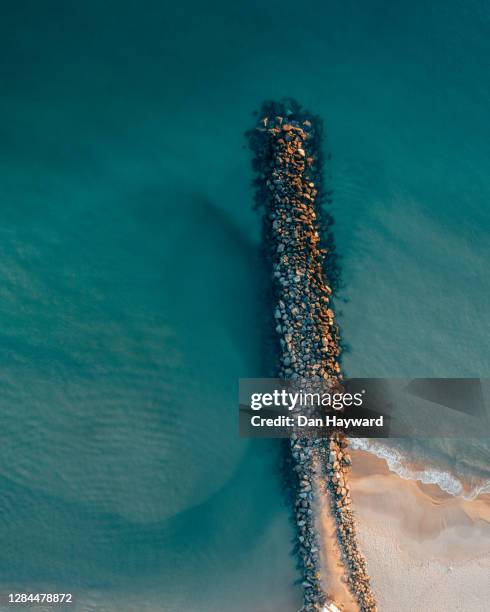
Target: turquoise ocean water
(129,301)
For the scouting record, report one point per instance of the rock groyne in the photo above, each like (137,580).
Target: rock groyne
(286,144)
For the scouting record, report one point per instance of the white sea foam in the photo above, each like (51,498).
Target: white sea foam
(397,463)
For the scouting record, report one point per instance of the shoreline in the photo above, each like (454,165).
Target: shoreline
(407,468)
(427,550)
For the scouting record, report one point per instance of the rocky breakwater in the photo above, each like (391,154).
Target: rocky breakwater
(335,465)
(288,166)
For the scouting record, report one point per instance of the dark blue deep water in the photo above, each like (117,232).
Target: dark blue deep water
(129,301)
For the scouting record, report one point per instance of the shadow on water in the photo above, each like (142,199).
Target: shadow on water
(207,276)
(186,264)
(214,270)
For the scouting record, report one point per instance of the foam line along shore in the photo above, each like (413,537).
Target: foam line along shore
(286,145)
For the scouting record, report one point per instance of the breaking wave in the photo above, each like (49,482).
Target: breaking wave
(397,462)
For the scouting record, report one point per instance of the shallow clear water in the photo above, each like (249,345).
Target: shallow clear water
(129,302)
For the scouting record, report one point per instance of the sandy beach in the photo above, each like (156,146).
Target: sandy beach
(426,550)
(333,573)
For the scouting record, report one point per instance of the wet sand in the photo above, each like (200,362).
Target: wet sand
(333,568)
(426,550)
